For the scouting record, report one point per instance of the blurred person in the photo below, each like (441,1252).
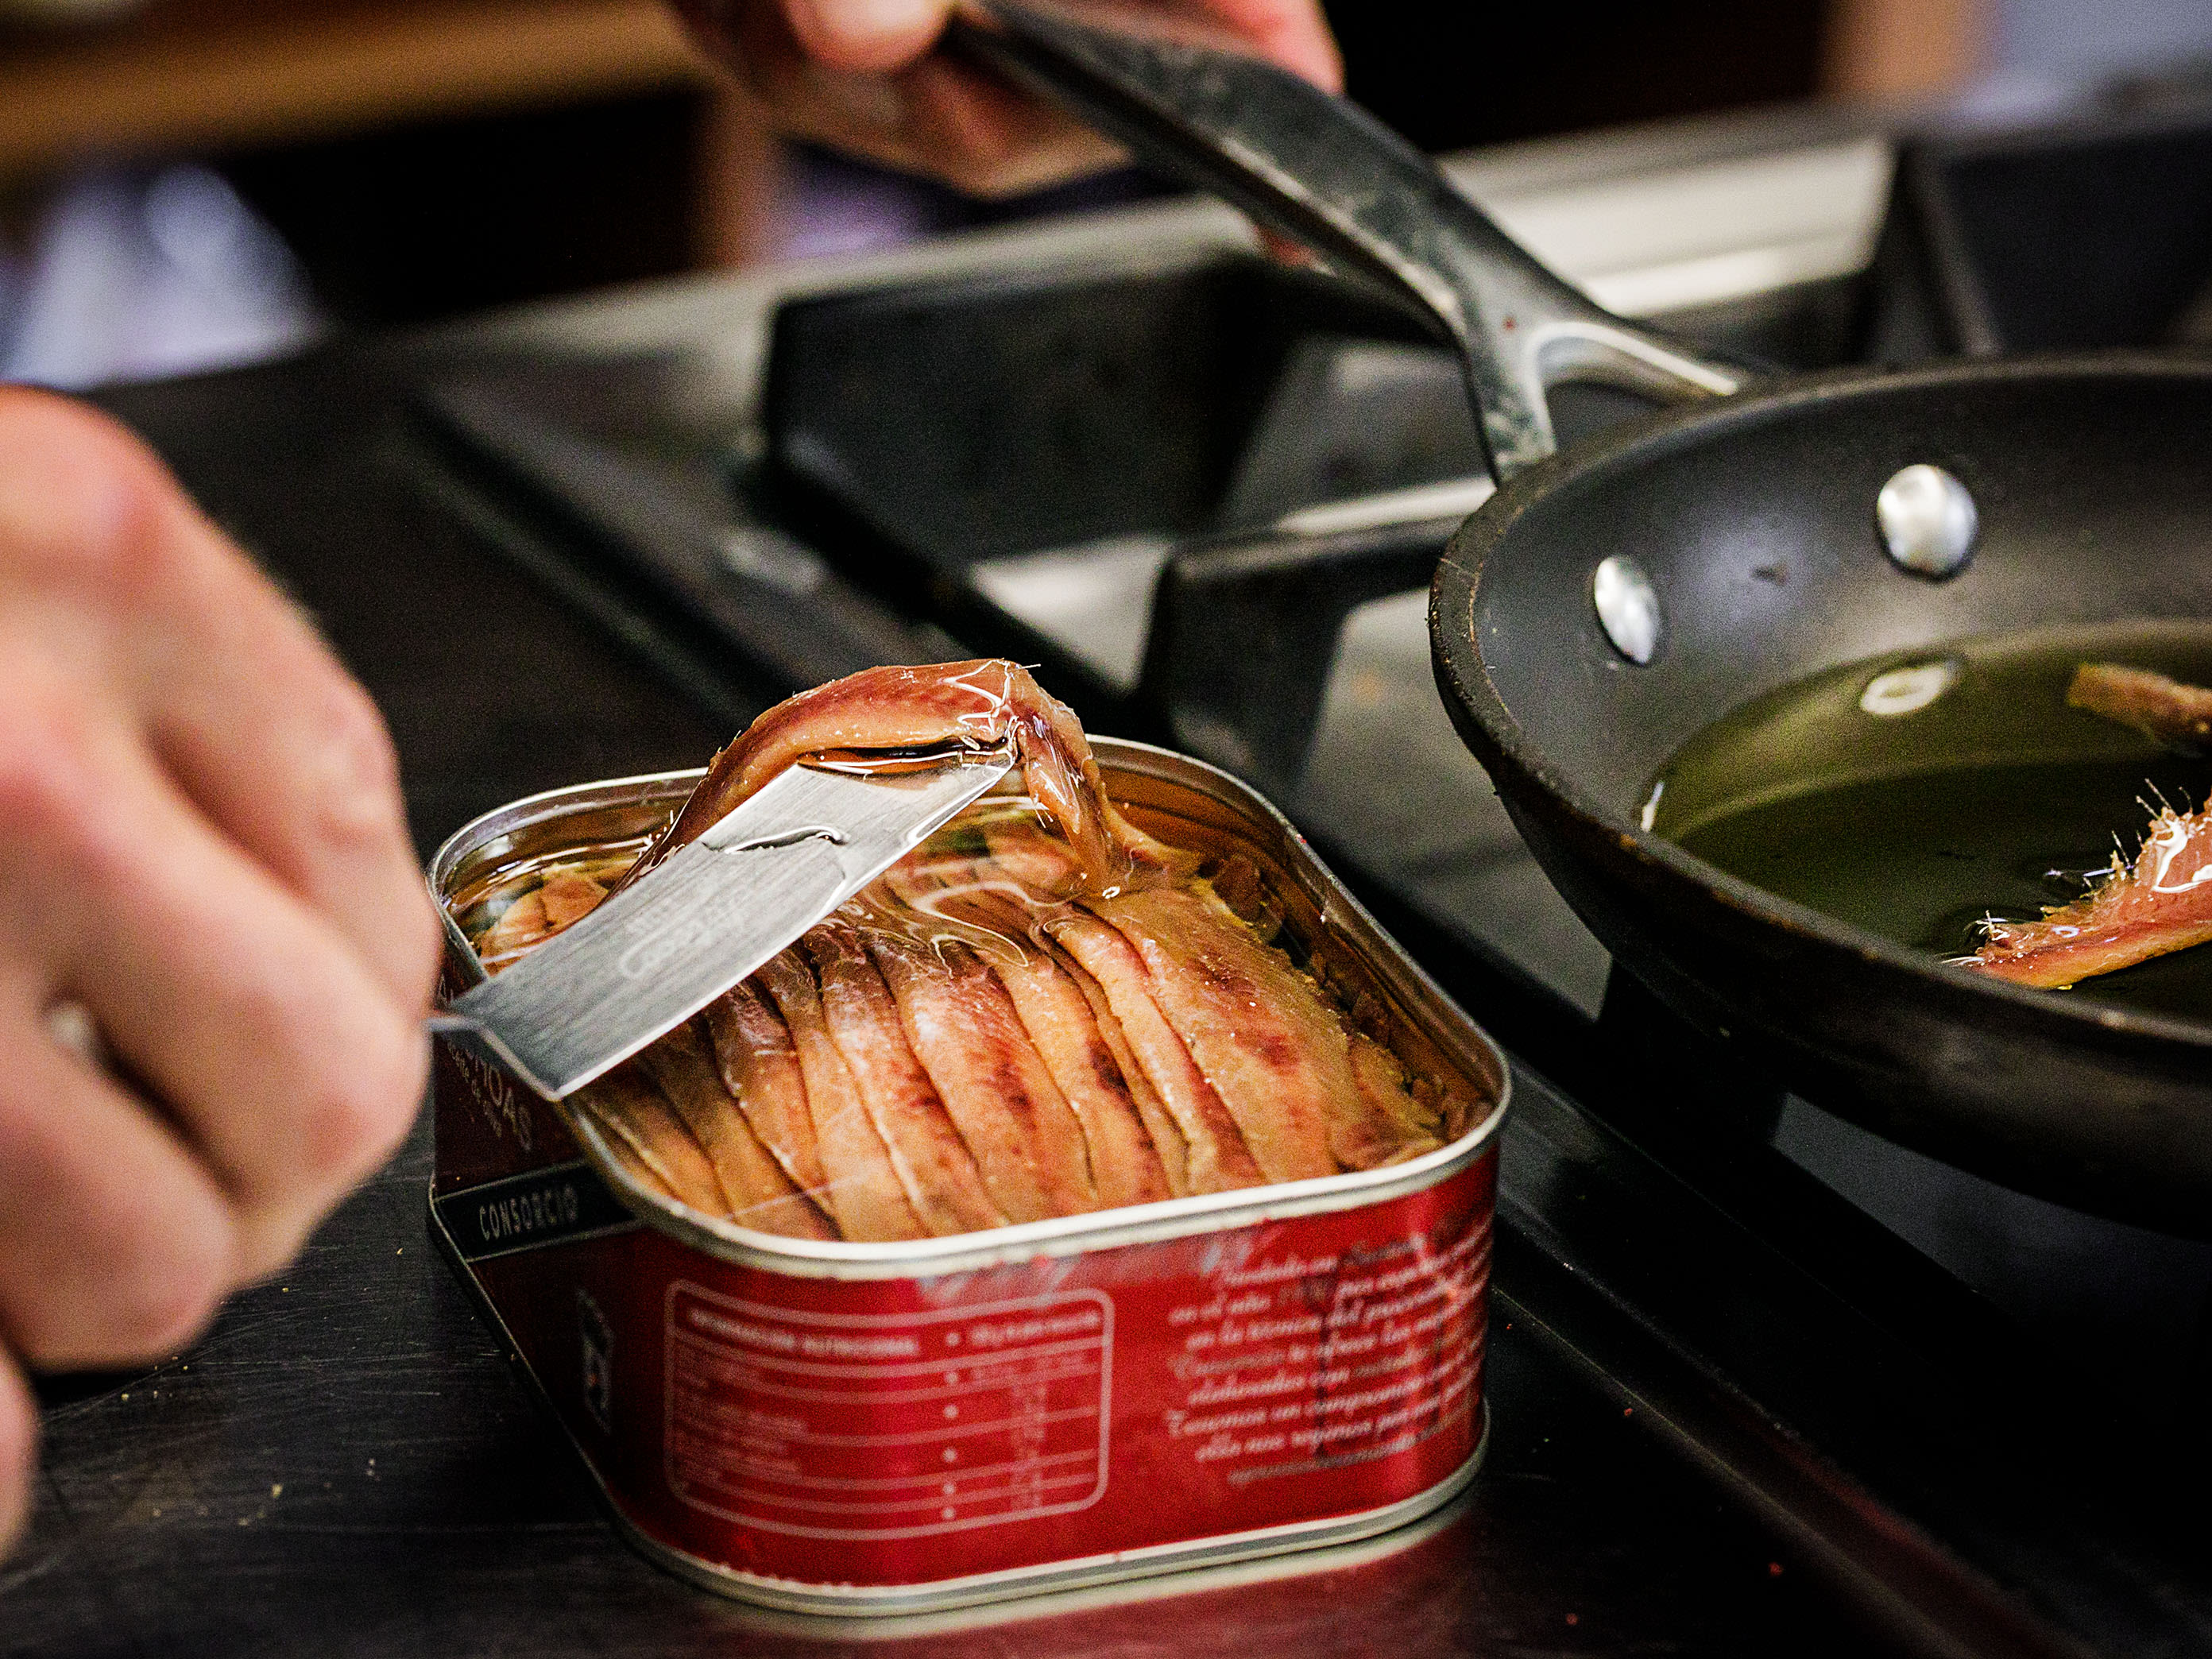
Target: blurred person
(215,948)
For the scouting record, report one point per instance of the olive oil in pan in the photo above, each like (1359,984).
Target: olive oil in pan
(1913,795)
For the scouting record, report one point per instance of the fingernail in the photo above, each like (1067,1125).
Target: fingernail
(838,29)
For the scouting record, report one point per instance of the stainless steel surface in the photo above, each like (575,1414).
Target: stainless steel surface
(1323,171)
(1717,211)
(1643,220)
(1453,499)
(1388,775)
(656,953)
(1929,521)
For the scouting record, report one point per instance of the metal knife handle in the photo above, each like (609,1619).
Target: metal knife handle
(1324,171)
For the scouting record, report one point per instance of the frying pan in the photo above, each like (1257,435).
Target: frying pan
(1608,602)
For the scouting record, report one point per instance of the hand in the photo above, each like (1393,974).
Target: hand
(860,76)
(203,850)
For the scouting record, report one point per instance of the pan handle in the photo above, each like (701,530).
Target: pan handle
(1324,171)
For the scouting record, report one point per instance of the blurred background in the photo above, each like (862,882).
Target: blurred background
(188,184)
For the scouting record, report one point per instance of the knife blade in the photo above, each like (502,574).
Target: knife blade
(656,953)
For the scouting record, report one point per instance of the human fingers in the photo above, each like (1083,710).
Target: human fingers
(987,137)
(860,76)
(938,119)
(286,1066)
(867,36)
(989,140)
(881,36)
(19,1444)
(239,698)
(850,36)
(115,1245)
(289,758)
(1290,32)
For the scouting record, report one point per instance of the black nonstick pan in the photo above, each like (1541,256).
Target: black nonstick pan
(1609,603)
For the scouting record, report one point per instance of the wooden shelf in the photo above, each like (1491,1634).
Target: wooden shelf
(201,74)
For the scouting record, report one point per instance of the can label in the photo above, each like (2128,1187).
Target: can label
(1300,1364)
(526,1212)
(905,1431)
(973,1418)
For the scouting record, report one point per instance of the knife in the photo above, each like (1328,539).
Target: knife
(656,953)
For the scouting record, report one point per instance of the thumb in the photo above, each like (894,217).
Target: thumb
(867,36)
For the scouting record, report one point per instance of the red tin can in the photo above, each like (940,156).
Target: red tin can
(890,1428)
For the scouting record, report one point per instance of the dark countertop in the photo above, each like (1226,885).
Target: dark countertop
(349,1464)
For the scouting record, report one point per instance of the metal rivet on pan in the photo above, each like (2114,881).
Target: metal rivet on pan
(1627,607)
(1927,521)
(1910,690)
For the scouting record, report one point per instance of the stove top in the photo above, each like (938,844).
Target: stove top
(1204,494)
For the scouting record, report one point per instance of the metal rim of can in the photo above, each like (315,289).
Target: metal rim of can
(1064,1235)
